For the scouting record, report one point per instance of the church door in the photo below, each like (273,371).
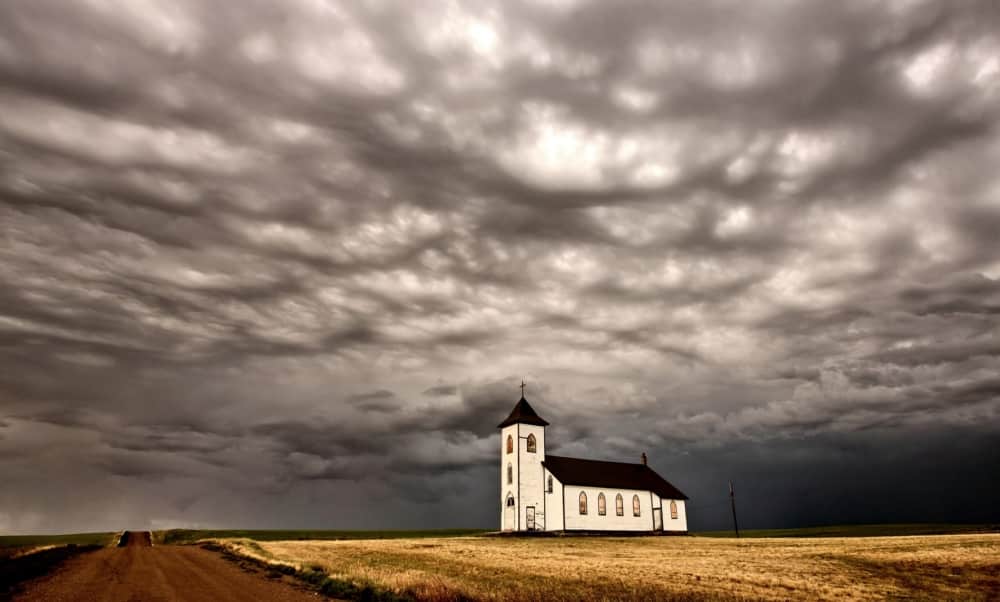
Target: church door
(657,519)
(530,516)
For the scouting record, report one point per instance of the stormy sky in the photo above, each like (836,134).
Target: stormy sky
(284,264)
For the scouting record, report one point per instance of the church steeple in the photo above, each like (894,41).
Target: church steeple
(523,413)
(522,454)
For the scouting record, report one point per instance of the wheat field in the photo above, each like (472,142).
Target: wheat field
(965,567)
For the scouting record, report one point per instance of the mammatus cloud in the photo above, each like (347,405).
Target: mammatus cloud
(302,253)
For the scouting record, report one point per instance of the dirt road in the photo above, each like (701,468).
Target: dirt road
(139,571)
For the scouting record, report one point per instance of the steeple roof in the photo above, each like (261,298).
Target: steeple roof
(523,413)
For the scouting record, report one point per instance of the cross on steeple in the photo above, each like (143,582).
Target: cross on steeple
(522,388)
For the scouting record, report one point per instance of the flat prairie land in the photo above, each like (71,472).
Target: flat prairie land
(965,567)
(876,530)
(184,536)
(12,545)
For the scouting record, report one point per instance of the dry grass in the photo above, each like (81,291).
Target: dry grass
(936,567)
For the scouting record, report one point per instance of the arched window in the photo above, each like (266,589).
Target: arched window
(635,505)
(602,507)
(510,500)
(531,443)
(619,505)
(550,483)
(510,444)
(583,503)
(673,509)
(510,473)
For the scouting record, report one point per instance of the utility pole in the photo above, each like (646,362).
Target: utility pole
(732,501)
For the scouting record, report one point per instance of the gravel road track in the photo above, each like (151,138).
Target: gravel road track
(140,571)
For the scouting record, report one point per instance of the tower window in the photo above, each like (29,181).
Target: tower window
(673,509)
(531,443)
(510,473)
(510,444)
(602,507)
(510,501)
(619,505)
(583,503)
(550,483)
(635,505)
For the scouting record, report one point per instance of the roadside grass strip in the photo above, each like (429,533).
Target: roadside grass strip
(316,579)
(16,570)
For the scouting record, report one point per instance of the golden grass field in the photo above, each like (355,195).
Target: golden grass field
(962,567)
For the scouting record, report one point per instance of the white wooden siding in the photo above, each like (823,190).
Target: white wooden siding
(528,472)
(610,521)
(508,518)
(672,524)
(553,503)
(675,524)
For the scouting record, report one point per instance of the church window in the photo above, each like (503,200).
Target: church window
(510,444)
(510,473)
(510,500)
(583,503)
(602,507)
(531,443)
(550,483)
(619,505)
(635,505)
(673,509)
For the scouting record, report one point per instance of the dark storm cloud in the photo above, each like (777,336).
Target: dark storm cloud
(308,251)
(940,354)
(441,390)
(375,401)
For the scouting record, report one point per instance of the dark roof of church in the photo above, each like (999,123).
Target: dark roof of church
(523,413)
(613,475)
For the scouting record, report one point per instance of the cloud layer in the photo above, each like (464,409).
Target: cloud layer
(291,259)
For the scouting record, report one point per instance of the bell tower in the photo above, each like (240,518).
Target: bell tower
(522,451)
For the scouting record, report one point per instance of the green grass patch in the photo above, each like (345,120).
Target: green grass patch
(12,542)
(185,536)
(862,530)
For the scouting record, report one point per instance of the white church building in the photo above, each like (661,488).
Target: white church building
(556,493)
